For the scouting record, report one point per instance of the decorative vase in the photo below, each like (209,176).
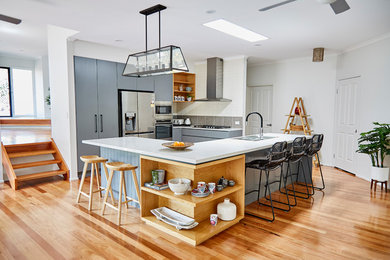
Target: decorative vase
(379,174)
(226,210)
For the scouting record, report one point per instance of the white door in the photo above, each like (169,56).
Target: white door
(346,123)
(259,99)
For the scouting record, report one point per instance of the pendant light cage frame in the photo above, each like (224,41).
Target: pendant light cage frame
(162,60)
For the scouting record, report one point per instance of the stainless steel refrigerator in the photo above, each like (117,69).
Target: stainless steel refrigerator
(136,114)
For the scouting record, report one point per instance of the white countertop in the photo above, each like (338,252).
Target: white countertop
(211,129)
(199,153)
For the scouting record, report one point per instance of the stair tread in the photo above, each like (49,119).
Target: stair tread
(27,144)
(39,175)
(31,153)
(34,164)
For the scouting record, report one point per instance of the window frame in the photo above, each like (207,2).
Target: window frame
(11,105)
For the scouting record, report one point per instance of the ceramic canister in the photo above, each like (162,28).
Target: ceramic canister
(226,210)
(201,186)
(211,187)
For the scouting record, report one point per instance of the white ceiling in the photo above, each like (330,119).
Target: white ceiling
(294,29)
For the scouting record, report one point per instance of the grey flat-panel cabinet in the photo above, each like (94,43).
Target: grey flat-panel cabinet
(96,103)
(145,84)
(107,99)
(86,105)
(129,83)
(163,87)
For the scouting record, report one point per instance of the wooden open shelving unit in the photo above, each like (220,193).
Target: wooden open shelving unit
(197,208)
(187,80)
(301,117)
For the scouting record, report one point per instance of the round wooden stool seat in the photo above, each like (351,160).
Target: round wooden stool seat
(93,159)
(120,166)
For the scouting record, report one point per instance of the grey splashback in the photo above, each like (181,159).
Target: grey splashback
(213,120)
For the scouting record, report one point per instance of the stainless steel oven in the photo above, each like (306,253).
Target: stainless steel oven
(163,110)
(163,129)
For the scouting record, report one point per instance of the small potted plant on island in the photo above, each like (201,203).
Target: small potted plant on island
(376,143)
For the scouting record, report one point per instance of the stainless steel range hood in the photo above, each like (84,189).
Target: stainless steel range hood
(214,81)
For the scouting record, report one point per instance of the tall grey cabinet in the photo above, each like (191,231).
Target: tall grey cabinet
(96,102)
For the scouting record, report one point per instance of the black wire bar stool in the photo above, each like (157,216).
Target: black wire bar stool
(312,150)
(294,156)
(271,162)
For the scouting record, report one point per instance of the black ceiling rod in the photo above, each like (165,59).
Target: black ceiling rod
(146,32)
(159,29)
(151,10)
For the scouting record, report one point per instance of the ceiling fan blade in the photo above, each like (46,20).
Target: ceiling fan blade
(339,6)
(9,19)
(276,5)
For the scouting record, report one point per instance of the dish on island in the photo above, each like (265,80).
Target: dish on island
(178,145)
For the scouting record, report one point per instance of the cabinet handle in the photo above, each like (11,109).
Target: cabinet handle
(95,123)
(101,123)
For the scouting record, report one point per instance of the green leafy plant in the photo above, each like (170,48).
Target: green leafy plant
(376,143)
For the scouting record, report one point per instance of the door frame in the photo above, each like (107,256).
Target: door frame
(335,118)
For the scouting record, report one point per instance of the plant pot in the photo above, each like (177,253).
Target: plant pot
(379,174)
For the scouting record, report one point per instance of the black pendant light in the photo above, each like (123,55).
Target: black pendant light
(162,60)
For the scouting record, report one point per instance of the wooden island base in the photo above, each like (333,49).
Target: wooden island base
(232,168)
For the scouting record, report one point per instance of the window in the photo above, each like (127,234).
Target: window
(5,98)
(23,92)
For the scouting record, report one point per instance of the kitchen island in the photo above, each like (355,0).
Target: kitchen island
(205,161)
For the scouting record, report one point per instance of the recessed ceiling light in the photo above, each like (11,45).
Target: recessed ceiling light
(210,11)
(257,44)
(119,40)
(235,30)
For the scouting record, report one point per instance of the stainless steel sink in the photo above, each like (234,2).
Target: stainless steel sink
(254,138)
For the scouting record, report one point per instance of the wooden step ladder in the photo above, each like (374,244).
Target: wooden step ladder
(28,150)
(297,113)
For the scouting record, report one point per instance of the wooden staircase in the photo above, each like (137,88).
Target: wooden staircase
(28,150)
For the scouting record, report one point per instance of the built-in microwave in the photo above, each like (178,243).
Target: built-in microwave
(163,110)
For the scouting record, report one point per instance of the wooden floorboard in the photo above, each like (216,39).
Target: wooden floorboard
(346,221)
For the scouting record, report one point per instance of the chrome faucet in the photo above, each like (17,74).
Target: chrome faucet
(261,123)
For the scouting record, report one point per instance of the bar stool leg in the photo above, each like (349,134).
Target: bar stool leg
(375,184)
(120,197)
(82,182)
(136,184)
(108,190)
(98,179)
(372,181)
(106,194)
(124,191)
(91,187)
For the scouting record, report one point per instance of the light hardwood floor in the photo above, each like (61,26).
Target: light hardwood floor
(25,134)
(346,221)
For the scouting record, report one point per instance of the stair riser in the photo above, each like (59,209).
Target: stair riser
(28,148)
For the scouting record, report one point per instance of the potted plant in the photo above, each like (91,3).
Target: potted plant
(376,143)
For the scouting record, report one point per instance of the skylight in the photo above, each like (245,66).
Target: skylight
(235,30)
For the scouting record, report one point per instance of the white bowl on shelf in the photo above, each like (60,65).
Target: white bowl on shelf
(179,186)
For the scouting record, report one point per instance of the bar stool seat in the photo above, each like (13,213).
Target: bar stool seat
(120,167)
(93,160)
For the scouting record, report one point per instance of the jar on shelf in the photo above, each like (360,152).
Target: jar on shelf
(226,210)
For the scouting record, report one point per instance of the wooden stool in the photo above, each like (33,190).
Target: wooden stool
(94,160)
(121,167)
(375,182)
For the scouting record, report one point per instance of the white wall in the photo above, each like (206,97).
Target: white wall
(372,63)
(62,94)
(234,88)
(313,81)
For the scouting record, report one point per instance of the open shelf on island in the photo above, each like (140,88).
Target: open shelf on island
(194,201)
(232,168)
(194,236)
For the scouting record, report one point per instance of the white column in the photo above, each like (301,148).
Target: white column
(62,94)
